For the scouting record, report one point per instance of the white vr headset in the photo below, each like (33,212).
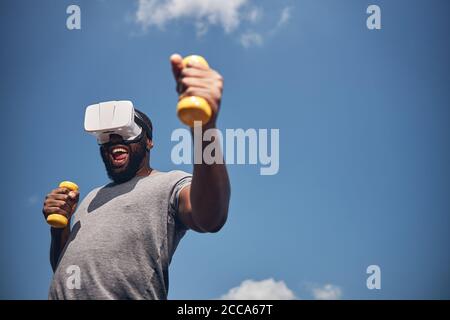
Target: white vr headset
(115,117)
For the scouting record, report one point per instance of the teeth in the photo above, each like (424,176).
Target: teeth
(117,150)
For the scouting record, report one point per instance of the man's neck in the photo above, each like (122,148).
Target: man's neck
(144,171)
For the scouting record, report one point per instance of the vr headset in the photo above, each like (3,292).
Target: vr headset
(115,117)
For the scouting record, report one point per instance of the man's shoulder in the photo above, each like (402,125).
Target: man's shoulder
(170,177)
(176,173)
(165,180)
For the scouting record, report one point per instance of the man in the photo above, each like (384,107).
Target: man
(125,233)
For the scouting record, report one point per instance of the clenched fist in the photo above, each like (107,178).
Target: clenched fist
(198,80)
(61,201)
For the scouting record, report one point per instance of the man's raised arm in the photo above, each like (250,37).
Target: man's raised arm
(203,206)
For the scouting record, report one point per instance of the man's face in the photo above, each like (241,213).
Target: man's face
(123,161)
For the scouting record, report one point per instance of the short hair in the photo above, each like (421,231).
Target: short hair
(148,126)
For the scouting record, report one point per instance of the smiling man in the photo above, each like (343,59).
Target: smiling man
(125,233)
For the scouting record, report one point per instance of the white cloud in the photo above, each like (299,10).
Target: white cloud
(285,16)
(327,292)
(268,289)
(202,28)
(227,14)
(250,38)
(255,14)
(207,12)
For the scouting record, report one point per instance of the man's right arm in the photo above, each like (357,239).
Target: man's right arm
(61,201)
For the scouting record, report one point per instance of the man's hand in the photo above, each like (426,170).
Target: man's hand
(203,206)
(61,201)
(198,80)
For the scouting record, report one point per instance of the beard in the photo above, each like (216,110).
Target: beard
(128,171)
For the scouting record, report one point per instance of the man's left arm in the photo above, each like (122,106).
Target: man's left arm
(203,206)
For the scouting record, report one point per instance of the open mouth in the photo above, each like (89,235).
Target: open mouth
(119,155)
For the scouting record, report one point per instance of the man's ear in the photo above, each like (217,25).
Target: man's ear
(149,144)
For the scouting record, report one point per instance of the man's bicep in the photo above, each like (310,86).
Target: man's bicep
(185,209)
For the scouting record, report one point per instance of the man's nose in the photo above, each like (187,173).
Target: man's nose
(115,138)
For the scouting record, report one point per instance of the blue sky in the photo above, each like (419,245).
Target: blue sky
(364,137)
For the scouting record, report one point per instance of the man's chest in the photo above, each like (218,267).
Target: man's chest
(112,221)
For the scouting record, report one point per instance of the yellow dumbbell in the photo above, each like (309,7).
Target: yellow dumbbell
(57,220)
(190,109)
